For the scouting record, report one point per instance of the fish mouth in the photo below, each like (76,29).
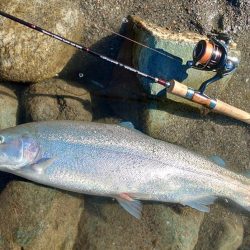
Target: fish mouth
(11,153)
(19,152)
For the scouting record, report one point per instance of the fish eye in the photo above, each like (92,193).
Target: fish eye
(1,139)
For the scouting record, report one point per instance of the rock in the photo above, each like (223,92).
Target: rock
(221,230)
(178,50)
(246,241)
(8,107)
(36,217)
(57,99)
(105,225)
(97,36)
(207,20)
(220,16)
(29,56)
(127,97)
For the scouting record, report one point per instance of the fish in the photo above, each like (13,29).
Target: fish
(118,162)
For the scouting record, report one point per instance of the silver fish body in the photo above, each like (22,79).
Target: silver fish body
(110,160)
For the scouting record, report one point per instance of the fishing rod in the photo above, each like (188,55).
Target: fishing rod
(209,55)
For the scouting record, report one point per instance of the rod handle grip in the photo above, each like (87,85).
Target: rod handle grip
(179,89)
(231,111)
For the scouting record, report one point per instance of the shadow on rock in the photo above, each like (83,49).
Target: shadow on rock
(93,71)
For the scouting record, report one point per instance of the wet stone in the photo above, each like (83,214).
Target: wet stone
(36,217)
(27,55)
(8,107)
(1,241)
(9,116)
(57,99)
(221,230)
(105,224)
(176,51)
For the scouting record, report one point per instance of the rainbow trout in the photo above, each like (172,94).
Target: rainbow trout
(110,160)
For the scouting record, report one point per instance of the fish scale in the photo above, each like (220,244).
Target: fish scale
(110,160)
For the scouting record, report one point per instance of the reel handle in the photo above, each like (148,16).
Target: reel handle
(216,105)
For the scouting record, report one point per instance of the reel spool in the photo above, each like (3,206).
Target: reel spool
(212,55)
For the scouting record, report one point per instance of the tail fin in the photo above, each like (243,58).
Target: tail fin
(241,195)
(247,187)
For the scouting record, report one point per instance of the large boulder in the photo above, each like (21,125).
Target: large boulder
(168,60)
(27,55)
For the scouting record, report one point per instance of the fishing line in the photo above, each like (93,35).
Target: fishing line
(86,49)
(133,41)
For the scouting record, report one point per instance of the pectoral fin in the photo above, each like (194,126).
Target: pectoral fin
(201,204)
(36,168)
(41,165)
(130,126)
(134,207)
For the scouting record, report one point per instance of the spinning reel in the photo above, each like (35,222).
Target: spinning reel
(212,55)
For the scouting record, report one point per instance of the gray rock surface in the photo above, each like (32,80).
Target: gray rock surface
(36,217)
(29,56)
(105,225)
(221,230)
(9,117)
(246,240)
(57,99)
(9,107)
(176,50)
